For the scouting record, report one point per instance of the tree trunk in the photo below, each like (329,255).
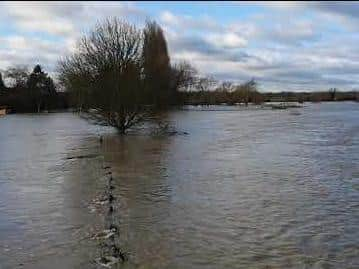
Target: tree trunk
(122,130)
(122,126)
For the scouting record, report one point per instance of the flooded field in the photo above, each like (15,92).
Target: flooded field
(245,188)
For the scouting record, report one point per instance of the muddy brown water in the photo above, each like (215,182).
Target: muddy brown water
(246,188)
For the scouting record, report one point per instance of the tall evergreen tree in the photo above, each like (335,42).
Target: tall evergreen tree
(41,88)
(156,66)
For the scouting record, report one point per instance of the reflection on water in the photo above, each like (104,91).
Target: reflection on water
(44,191)
(245,189)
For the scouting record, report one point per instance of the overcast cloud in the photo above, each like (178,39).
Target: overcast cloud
(285,46)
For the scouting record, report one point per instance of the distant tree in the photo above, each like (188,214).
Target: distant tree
(156,66)
(41,88)
(245,91)
(224,93)
(227,86)
(76,79)
(205,83)
(182,76)
(18,76)
(107,67)
(2,84)
(332,93)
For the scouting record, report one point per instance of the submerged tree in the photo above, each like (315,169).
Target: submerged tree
(119,74)
(105,74)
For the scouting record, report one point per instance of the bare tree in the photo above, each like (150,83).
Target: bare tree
(183,76)
(18,76)
(205,83)
(227,86)
(122,74)
(332,93)
(246,91)
(105,73)
(75,77)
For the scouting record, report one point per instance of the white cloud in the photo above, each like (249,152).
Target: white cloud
(63,18)
(287,45)
(226,40)
(18,50)
(39,17)
(169,18)
(45,31)
(189,23)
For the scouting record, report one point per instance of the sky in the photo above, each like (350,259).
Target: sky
(285,46)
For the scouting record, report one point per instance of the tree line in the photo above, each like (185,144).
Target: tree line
(229,93)
(333,94)
(209,92)
(29,91)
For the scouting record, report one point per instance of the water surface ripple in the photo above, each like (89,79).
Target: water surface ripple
(245,189)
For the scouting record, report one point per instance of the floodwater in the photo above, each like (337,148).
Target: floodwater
(246,188)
